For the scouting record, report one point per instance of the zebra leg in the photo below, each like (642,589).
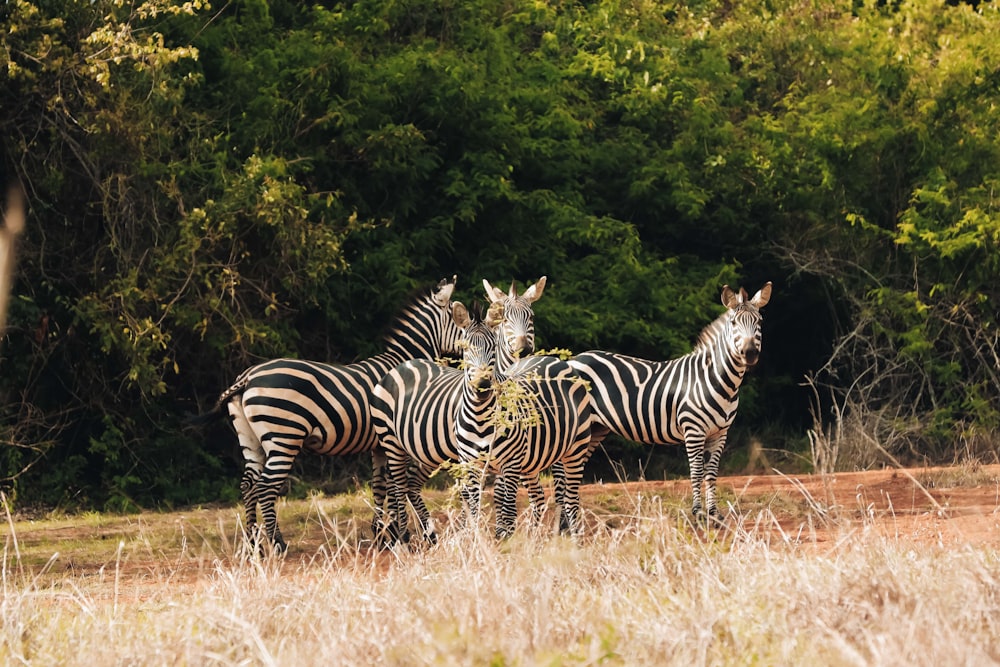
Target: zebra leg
(248,491)
(268,487)
(536,497)
(396,467)
(253,467)
(695,445)
(714,448)
(471,490)
(569,519)
(378,495)
(505,500)
(280,456)
(559,485)
(417,477)
(569,476)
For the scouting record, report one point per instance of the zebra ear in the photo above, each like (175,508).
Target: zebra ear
(762,296)
(460,314)
(512,293)
(492,293)
(534,293)
(494,316)
(729,298)
(444,290)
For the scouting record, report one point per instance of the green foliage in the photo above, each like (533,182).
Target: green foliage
(211,186)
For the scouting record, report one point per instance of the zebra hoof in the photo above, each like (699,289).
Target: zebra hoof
(266,549)
(707,519)
(504,534)
(382,536)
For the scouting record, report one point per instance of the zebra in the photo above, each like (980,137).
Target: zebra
(556,430)
(416,414)
(280,407)
(414,408)
(690,400)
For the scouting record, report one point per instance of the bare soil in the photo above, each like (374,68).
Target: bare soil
(129,556)
(945,507)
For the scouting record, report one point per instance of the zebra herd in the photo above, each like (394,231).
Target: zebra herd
(415,414)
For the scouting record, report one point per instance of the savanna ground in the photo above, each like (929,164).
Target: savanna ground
(895,566)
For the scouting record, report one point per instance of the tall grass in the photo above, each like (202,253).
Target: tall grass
(650,591)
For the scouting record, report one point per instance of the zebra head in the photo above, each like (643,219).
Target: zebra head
(517,328)
(478,343)
(744,321)
(448,334)
(425,329)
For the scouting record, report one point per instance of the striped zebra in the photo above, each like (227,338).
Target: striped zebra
(555,429)
(280,407)
(690,400)
(415,404)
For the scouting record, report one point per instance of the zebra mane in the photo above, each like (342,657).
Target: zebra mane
(411,301)
(476,311)
(709,336)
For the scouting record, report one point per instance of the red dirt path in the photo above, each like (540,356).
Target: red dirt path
(933,508)
(927,506)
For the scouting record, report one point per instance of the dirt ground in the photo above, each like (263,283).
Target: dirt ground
(946,507)
(927,507)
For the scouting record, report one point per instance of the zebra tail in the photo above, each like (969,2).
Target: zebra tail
(217,412)
(203,419)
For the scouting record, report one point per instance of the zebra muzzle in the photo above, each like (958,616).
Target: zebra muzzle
(481,379)
(519,346)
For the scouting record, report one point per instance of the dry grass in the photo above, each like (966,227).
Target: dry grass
(645,588)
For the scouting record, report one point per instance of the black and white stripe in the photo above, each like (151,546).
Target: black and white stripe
(283,406)
(556,431)
(415,406)
(690,400)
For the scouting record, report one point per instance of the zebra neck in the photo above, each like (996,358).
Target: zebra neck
(474,425)
(504,358)
(725,370)
(397,352)
(415,335)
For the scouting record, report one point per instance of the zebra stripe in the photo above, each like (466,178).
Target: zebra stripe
(559,435)
(690,400)
(414,408)
(517,329)
(280,407)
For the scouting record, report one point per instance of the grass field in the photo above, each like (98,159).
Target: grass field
(797,576)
